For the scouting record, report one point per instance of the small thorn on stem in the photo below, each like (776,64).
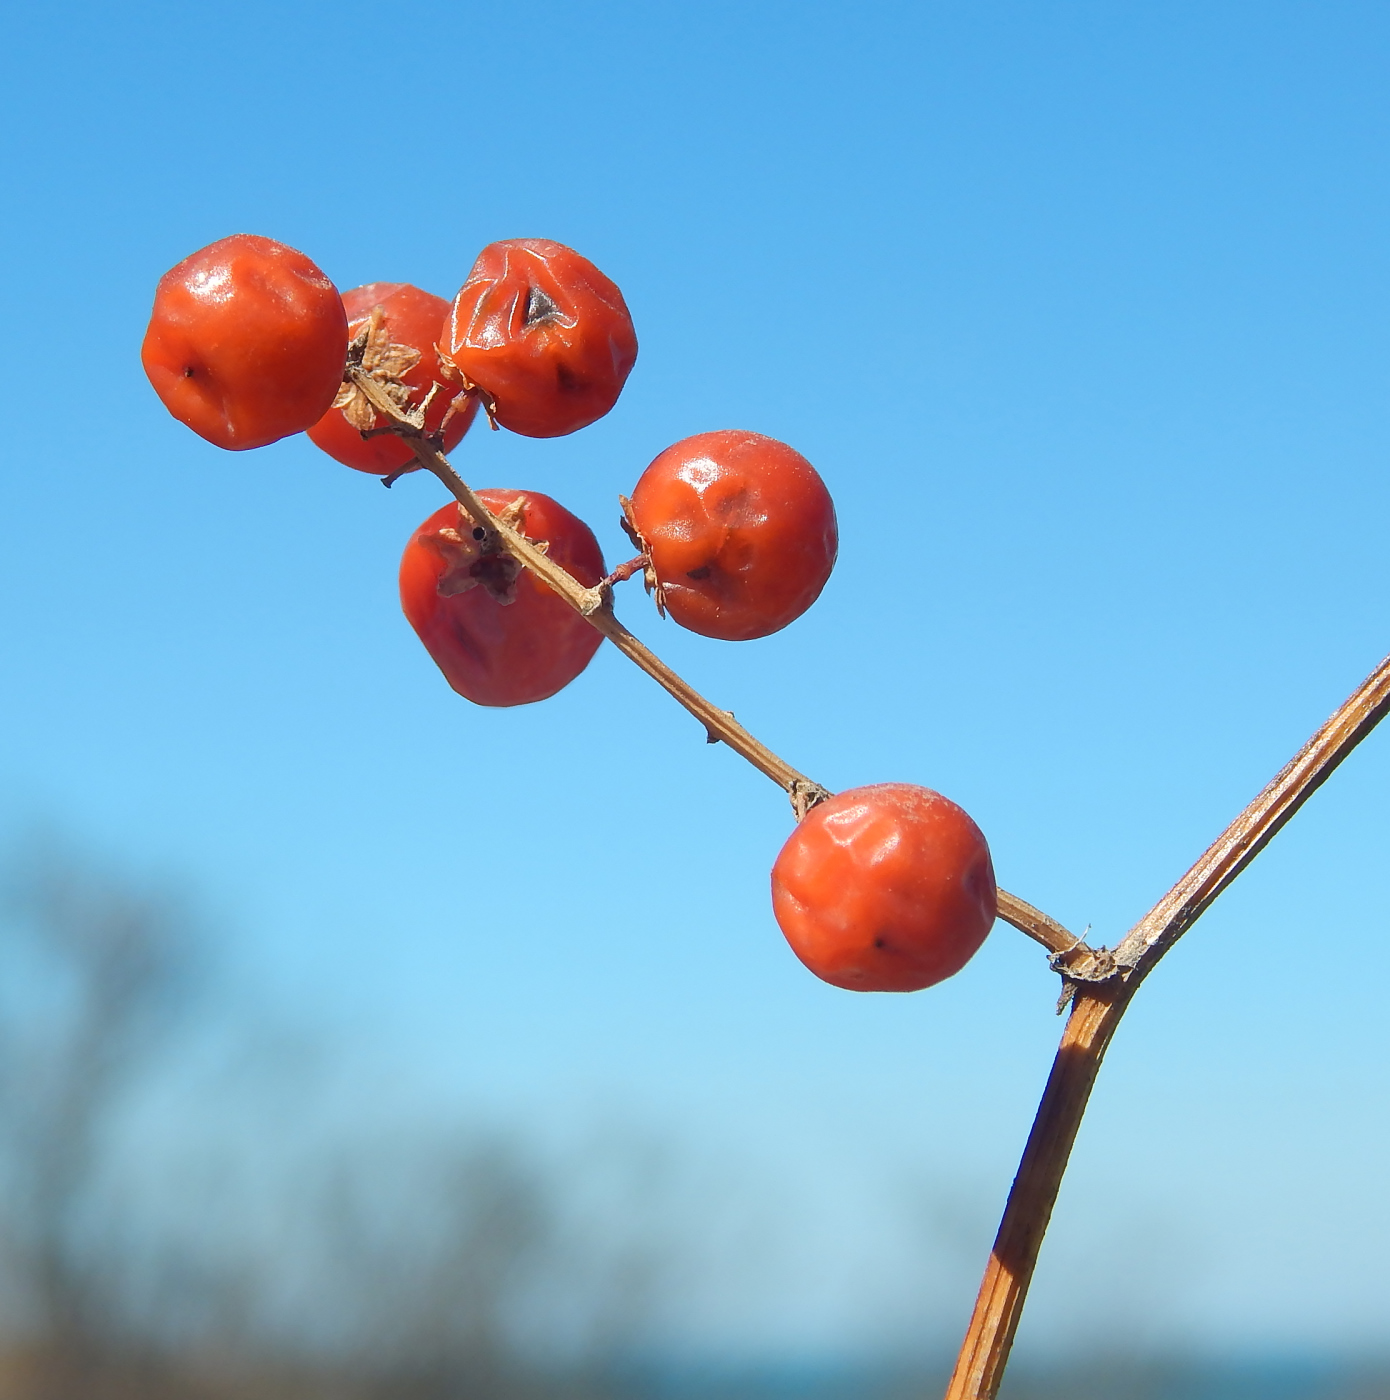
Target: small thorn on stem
(389,481)
(710,736)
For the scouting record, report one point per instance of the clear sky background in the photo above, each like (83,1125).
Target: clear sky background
(1083,312)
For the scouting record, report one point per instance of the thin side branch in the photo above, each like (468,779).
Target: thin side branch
(596,606)
(1040,927)
(1252,831)
(1096,1012)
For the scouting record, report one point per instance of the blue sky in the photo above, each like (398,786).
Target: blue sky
(1081,311)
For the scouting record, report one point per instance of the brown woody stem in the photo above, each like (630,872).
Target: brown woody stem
(1096,1012)
(593,604)
(1099,983)
(1069,952)
(596,606)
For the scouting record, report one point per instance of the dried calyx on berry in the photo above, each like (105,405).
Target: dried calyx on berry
(382,360)
(628,521)
(500,635)
(394,328)
(473,556)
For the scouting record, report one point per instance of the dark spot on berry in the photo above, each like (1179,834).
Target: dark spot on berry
(497,573)
(702,572)
(539,308)
(566,380)
(880,942)
(189,371)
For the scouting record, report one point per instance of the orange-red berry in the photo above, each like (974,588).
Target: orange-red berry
(740,531)
(545,333)
(408,326)
(887,888)
(247,342)
(500,635)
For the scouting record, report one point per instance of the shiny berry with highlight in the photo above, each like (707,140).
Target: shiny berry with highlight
(544,333)
(740,531)
(887,888)
(247,342)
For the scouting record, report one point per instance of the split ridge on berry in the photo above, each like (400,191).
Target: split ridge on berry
(544,333)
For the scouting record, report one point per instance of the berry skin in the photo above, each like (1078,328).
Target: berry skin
(499,634)
(402,342)
(247,342)
(740,531)
(545,333)
(887,888)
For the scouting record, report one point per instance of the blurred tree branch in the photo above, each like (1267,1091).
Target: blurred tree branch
(92,967)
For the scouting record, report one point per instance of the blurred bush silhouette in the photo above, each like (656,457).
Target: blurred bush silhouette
(92,970)
(431,1270)
(383,1265)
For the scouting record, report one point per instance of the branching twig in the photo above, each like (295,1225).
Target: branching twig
(595,604)
(1097,1011)
(1071,956)
(1098,982)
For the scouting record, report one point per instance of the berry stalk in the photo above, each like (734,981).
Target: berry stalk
(596,606)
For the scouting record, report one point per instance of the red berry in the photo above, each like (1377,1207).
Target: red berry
(403,342)
(740,531)
(500,635)
(545,333)
(247,342)
(885,889)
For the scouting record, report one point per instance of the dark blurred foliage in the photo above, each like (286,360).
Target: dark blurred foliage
(91,975)
(388,1267)
(419,1271)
